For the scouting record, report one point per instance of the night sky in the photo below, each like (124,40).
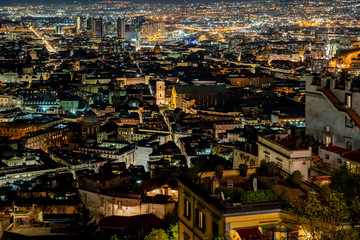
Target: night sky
(14,2)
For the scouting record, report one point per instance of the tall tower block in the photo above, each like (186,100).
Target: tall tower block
(121,28)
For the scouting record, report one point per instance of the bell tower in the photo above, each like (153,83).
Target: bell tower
(160,93)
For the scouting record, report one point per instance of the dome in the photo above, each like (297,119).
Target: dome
(90,117)
(157,49)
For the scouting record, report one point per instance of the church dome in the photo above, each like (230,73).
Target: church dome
(157,49)
(90,117)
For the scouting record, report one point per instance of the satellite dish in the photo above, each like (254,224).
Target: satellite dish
(255,184)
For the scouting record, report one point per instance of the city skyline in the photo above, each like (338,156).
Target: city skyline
(179,121)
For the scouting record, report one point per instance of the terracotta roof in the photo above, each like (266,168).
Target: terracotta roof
(341,106)
(335,149)
(317,160)
(352,155)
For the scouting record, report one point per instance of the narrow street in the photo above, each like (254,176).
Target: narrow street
(172,134)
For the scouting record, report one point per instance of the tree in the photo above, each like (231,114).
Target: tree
(87,227)
(269,169)
(225,236)
(243,170)
(207,184)
(324,193)
(192,173)
(348,183)
(173,231)
(322,218)
(114,237)
(342,180)
(295,178)
(157,234)
(219,169)
(285,195)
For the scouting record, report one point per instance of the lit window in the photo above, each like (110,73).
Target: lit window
(348,100)
(200,220)
(328,140)
(187,209)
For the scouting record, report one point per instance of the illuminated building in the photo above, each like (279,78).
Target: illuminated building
(202,216)
(59,30)
(160,93)
(151,29)
(80,24)
(157,50)
(121,28)
(42,139)
(288,156)
(206,96)
(97,28)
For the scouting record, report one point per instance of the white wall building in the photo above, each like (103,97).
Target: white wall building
(142,156)
(9,78)
(333,116)
(8,101)
(287,159)
(101,205)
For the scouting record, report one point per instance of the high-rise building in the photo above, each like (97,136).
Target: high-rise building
(89,24)
(97,29)
(59,30)
(152,29)
(80,24)
(121,28)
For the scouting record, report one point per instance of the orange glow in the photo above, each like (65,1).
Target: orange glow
(345,61)
(202,37)
(333,63)
(46,43)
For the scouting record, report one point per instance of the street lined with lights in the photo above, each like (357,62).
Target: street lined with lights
(46,43)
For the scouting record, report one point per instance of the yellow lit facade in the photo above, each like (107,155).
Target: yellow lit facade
(202,217)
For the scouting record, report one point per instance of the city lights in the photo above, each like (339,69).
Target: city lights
(180,120)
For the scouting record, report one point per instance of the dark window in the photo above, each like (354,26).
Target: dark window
(339,160)
(186,236)
(187,209)
(326,157)
(215,228)
(348,122)
(200,220)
